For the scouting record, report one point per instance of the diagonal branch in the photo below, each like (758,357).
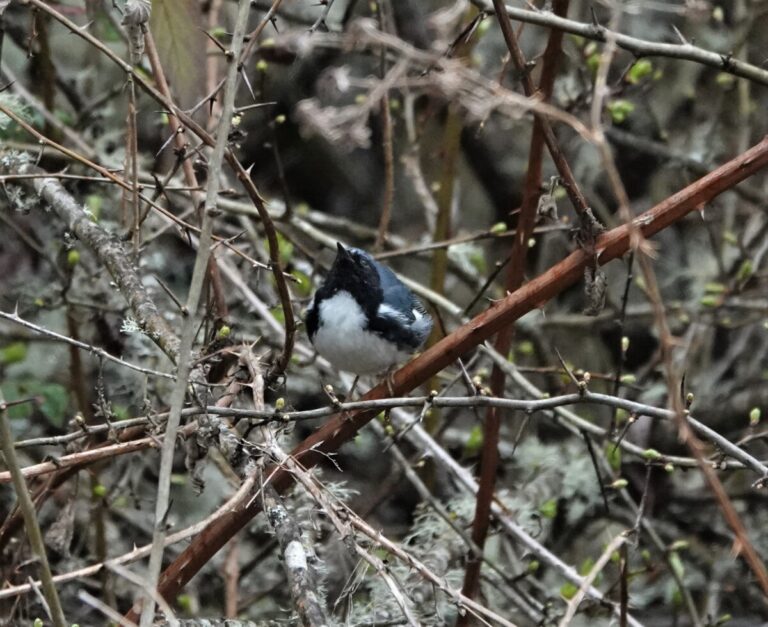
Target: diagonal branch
(343,428)
(108,248)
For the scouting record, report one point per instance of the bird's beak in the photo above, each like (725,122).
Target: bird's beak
(341,251)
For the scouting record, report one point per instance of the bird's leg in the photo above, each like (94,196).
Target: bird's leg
(352,389)
(390,379)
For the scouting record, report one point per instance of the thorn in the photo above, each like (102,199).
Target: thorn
(680,36)
(595,21)
(215,41)
(168,141)
(247,83)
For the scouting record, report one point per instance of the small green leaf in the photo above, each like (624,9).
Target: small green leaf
(185,602)
(13,353)
(474,441)
(754,416)
(725,80)
(592,54)
(680,545)
(304,285)
(568,590)
(525,347)
(499,227)
(641,69)
(746,269)
(676,564)
(613,455)
(99,491)
(651,454)
(620,110)
(94,203)
(548,509)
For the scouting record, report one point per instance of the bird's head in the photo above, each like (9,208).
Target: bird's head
(355,272)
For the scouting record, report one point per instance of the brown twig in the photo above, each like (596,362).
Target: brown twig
(386,143)
(568,181)
(515,274)
(667,341)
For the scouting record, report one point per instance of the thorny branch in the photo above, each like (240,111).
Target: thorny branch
(724,62)
(341,429)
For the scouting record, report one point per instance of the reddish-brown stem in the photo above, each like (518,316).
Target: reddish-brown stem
(515,273)
(578,200)
(535,293)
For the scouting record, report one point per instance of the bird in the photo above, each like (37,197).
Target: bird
(363,319)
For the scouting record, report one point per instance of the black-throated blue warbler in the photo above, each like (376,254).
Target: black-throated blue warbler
(363,319)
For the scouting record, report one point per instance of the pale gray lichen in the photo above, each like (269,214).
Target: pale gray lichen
(130,326)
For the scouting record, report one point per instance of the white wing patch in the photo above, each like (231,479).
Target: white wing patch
(390,312)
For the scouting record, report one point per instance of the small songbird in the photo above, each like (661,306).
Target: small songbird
(363,319)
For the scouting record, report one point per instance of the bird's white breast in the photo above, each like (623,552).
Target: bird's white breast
(343,340)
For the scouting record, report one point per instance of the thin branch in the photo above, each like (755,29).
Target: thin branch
(191,322)
(30,517)
(638,47)
(527,407)
(95,350)
(573,605)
